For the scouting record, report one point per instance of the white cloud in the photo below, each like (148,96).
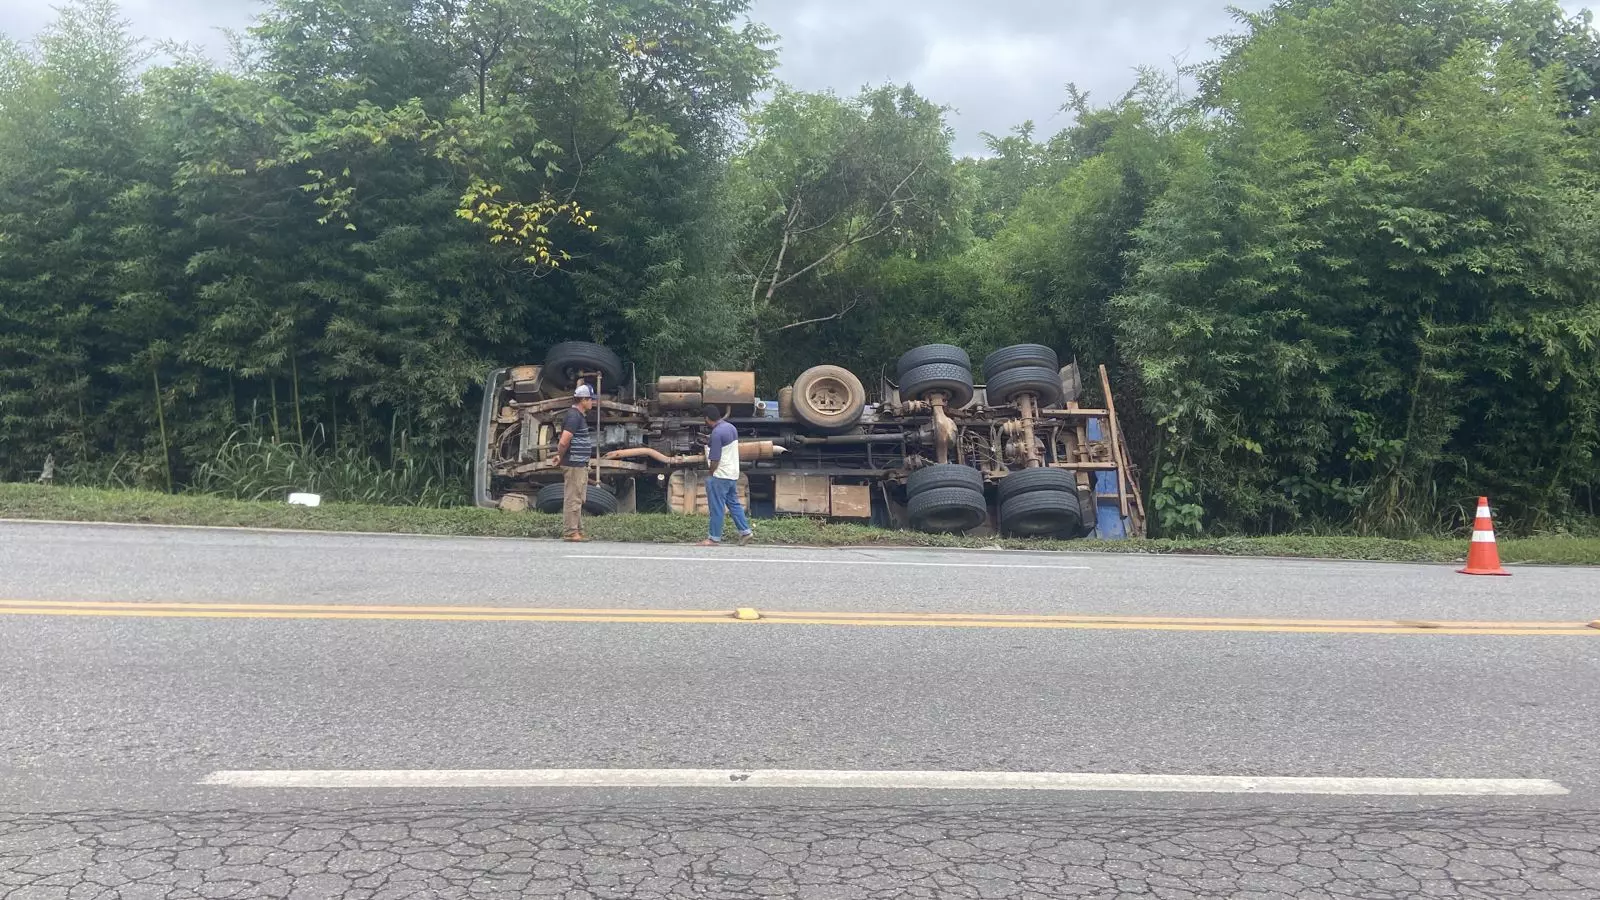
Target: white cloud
(998,62)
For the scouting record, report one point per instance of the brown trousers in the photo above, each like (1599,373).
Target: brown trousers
(573,496)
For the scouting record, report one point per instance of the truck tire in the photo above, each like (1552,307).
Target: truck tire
(1017,356)
(1042,514)
(944,475)
(948,510)
(549,498)
(600,501)
(1012,383)
(564,361)
(1026,481)
(928,354)
(829,398)
(951,380)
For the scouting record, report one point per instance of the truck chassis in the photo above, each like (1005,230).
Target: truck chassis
(928,450)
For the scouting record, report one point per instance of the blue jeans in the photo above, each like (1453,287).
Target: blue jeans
(722,496)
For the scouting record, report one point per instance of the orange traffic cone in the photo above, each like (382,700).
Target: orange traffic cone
(1483,558)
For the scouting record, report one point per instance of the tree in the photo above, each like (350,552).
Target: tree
(334,240)
(828,186)
(1355,304)
(69,160)
(507,169)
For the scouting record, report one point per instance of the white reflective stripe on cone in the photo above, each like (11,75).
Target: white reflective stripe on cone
(1483,537)
(1483,512)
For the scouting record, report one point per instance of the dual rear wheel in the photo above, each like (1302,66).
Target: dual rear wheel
(946,499)
(1011,372)
(949,499)
(936,369)
(1040,503)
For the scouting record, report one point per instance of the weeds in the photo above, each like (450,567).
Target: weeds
(257,467)
(29,501)
(127,472)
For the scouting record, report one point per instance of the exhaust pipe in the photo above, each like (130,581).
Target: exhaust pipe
(749,451)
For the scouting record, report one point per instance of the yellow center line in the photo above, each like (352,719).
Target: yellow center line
(185,610)
(343,607)
(1156,620)
(659,617)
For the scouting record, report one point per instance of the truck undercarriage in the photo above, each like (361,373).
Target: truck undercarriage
(930,450)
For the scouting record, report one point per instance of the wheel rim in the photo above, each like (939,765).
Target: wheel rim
(828,396)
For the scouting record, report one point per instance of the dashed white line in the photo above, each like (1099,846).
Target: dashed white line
(891,780)
(819,562)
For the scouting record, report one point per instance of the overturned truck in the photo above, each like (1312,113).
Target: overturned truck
(930,449)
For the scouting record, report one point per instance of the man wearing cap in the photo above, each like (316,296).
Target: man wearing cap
(573,451)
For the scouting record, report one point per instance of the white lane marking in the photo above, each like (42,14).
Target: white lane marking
(823,562)
(824,778)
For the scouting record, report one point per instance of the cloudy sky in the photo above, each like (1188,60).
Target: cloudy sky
(997,62)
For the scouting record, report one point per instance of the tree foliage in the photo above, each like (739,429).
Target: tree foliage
(826,191)
(336,238)
(1360,302)
(1344,275)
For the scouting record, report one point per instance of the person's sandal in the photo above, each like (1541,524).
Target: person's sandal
(745,539)
(576,539)
(708,542)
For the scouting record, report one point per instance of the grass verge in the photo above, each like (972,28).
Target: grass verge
(26,501)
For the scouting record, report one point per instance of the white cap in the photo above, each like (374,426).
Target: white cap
(583,392)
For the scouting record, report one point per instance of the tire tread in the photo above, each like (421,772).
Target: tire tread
(1035,503)
(935,500)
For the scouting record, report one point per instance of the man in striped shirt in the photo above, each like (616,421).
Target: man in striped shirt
(574,450)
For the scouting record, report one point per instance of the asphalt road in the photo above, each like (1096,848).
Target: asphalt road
(109,725)
(39,561)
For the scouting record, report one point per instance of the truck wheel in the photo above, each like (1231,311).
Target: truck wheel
(951,380)
(1012,383)
(829,398)
(600,501)
(549,498)
(944,475)
(1041,514)
(564,361)
(928,354)
(1026,481)
(949,510)
(1015,357)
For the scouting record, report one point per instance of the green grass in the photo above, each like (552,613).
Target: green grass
(26,501)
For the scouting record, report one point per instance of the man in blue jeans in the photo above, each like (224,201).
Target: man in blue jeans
(722,488)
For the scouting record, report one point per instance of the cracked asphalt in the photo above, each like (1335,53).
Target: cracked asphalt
(1022,851)
(108,726)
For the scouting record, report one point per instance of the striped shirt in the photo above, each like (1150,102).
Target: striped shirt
(582,446)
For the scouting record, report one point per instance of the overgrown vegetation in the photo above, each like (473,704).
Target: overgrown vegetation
(148,507)
(260,468)
(1345,274)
